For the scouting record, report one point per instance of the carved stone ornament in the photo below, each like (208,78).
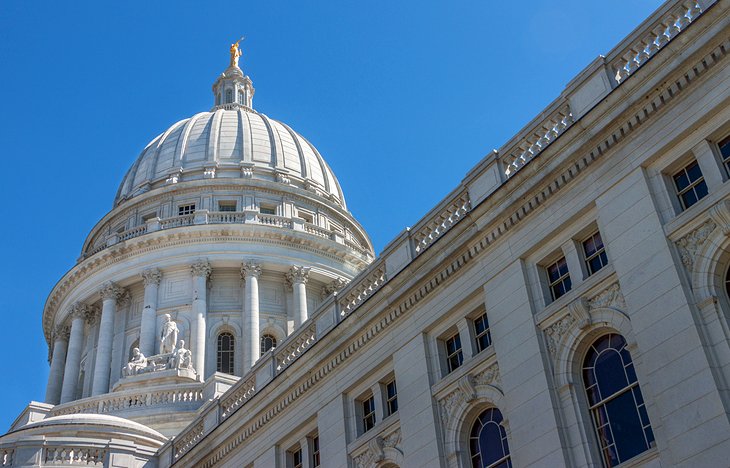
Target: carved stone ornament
(92,313)
(201,267)
(151,277)
(283,178)
(62,332)
(720,214)
(609,297)
(79,310)
(690,244)
(466,391)
(333,287)
(250,269)
(376,446)
(110,290)
(298,274)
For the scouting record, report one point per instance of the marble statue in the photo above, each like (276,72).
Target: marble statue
(181,358)
(136,364)
(168,336)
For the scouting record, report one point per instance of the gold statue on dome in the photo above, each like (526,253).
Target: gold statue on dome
(236,53)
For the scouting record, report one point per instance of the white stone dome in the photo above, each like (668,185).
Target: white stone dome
(230,141)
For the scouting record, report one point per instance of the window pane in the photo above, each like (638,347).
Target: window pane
(626,426)
(701,190)
(694,172)
(681,181)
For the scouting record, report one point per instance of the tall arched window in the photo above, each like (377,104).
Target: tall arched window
(488,442)
(616,404)
(229,96)
(225,353)
(727,282)
(240,96)
(267,342)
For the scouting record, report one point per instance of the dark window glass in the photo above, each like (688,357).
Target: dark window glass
(267,210)
(690,185)
(368,413)
(267,342)
(488,445)
(315,451)
(186,209)
(595,253)
(724,146)
(391,397)
(484,337)
(227,206)
(559,278)
(225,353)
(617,406)
(296,458)
(454,356)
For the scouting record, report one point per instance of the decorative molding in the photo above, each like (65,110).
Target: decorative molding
(110,290)
(92,313)
(151,277)
(201,267)
(609,297)
(466,391)
(690,244)
(333,287)
(555,332)
(79,310)
(250,269)
(720,214)
(376,449)
(298,274)
(62,332)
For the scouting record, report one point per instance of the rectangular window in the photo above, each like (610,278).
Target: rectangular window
(558,278)
(690,185)
(226,206)
(484,337)
(307,217)
(391,397)
(269,210)
(296,458)
(454,356)
(183,210)
(595,253)
(149,216)
(368,413)
(724,147)
(315,451)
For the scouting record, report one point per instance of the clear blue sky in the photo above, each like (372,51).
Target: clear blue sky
(401,98)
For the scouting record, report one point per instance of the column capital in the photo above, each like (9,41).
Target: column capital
(91,313)
(333,287)
(78,310)
(62,332)
(298,274)
(250,269)
(201,267)
(151,277)
(111,290)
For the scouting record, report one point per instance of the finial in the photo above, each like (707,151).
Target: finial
(236,52)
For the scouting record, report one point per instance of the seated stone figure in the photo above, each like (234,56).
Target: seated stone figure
(138,363)
(181,358)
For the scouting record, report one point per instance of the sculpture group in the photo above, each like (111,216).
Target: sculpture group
(173,354)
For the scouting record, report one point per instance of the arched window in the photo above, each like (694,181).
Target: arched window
(488,442)
(229,96)
(267,342)
(616,404)
(240,96)
(727,282)
(226,345)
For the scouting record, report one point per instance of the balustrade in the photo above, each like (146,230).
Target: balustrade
(292,349)
(74,456)
(121,401)
(245,390)
(359,290)
(187,439)
(428,230)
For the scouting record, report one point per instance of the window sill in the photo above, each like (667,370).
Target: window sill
(641,459)
(380,427)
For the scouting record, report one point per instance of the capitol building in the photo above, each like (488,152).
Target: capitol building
(566,305)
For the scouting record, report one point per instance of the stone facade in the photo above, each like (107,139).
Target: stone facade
(579,229)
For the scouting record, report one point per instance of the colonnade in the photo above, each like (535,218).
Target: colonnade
(68,339)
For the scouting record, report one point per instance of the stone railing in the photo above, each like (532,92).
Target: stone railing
(244,390)
(357,291)
(88,456)
(177,221)
(440,220)
(292,349)
(651,36)
(134,232)
(133,399)
(536,137)
(187,439)
(228,217)
(6,457)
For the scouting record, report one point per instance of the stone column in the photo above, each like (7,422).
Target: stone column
(297,277)
(58,360)
(73,354)
(250,273)
(110,292)
(148,327)
(200,270)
